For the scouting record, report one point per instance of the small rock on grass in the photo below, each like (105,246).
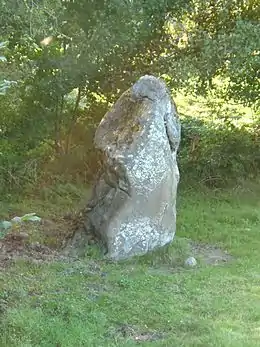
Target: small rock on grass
(190,262)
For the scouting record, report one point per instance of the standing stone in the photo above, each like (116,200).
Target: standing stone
(132,209)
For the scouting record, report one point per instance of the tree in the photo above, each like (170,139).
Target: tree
(72,58)
(220,40)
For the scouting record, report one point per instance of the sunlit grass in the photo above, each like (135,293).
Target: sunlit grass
(213,108)
(87,303)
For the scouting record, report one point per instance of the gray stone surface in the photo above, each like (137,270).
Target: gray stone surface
(190,262)
(132,209)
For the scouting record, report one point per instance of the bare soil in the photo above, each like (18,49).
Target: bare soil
(209,254)
(22,244)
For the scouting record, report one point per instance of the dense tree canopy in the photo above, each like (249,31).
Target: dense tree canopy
(64,62)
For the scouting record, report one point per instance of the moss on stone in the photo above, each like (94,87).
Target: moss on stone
(122,122)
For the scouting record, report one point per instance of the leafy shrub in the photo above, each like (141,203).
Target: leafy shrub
(218,152)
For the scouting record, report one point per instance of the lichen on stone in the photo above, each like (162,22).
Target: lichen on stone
(132,208)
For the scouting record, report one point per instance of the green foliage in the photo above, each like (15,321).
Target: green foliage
(71,59)
(218,153)
(15,222)
(4,84)
(219,142)
(222,39)
(243,69)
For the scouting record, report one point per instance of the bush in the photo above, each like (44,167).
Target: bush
(218,152)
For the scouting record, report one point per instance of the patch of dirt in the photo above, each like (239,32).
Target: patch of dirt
(22,243)
(209,254)
(204,253)
(40,242)
(136,334)
(15,246)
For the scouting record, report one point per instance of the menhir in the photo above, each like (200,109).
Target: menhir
(133,204)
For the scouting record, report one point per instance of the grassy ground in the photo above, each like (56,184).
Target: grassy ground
(153,300)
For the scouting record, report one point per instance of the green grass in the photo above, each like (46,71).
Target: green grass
(213,108)
(97,303)
(49,202)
